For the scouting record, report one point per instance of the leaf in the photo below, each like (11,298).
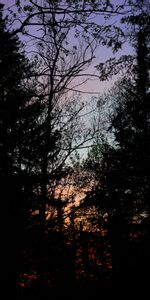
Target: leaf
(17,2)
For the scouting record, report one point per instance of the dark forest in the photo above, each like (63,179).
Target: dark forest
(75,162)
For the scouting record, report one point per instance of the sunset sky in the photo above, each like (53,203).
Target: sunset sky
(93,86)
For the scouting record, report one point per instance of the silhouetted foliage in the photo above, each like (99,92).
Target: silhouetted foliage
(131,129)
(53,240)
(123,188)
(18,123)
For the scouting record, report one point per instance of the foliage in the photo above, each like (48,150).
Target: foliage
(57,239)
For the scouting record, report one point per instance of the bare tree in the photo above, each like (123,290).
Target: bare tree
(64,127)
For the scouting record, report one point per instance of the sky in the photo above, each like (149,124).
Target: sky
(93,86)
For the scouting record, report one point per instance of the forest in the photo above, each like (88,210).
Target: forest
(75,148)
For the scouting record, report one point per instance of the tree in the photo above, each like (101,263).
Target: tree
(64,129)
(16,123)
(49,116)
(127,176)
(123,169)
(87,20)
(131,122)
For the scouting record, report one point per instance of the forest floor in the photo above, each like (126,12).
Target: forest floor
(85,268)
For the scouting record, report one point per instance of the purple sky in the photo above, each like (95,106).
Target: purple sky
(102,53)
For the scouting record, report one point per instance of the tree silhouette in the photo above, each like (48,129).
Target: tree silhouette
(126,173)
(43,125)
(121,168)
(18,119)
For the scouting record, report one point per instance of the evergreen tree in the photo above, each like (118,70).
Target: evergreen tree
(124,167)
(131,119)
(20,111)
(126,172)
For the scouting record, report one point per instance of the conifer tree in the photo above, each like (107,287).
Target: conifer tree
(19,132)
(126,172)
